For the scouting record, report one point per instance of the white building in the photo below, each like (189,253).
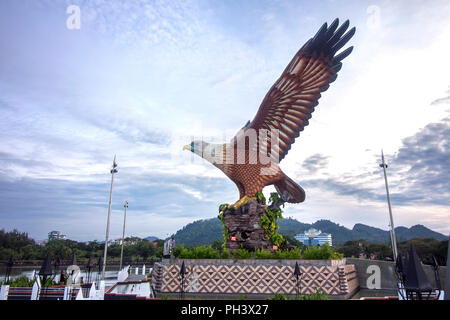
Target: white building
(56,235)
(314,237)
(117,241)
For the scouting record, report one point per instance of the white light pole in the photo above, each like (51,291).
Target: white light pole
(392,231)
(123,233)
(113,171)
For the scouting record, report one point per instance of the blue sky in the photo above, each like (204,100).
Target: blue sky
(141,78)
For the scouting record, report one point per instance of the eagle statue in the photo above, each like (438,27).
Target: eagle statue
(251,158)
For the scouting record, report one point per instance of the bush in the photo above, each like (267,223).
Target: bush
(324,252)
(225,254)
(242,254)
(268,221)
(279,254)
(279,296)
(203,252)
(319,295)
(289,254)
(261,254)
(199,252)
(182,252)
(23,281)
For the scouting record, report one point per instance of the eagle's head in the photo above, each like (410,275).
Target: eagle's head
(207,151)
(197,147)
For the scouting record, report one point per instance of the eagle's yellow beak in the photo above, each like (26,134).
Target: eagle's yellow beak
(187,147)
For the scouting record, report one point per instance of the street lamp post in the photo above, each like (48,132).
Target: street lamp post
(46,272)
(113,171)
(9,266)
(100,268)
(89,267)
(182,274)
(297,274)
(392,231)
(123,233)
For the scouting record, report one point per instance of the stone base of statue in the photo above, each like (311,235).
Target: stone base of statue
(244,230)
(260,279)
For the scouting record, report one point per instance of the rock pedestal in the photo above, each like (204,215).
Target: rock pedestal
(243,224)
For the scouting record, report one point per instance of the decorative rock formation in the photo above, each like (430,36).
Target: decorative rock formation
(243,226)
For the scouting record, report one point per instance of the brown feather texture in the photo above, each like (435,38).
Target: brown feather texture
(291,101)
(251,160)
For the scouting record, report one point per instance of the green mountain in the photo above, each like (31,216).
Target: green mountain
(205,232)
(417,231)
(201,232)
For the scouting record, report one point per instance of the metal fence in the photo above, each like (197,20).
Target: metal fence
(51,294)
(19,293)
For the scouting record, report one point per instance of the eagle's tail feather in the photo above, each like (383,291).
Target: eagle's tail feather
(289,190)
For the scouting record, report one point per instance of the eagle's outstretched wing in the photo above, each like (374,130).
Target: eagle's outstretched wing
(291,100)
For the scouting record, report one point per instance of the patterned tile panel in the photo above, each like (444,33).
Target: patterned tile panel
(264,279)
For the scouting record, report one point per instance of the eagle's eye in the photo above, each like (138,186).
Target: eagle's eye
(192,146)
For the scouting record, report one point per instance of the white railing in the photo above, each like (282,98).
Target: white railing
(59,293)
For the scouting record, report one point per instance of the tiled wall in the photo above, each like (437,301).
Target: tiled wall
(254,278)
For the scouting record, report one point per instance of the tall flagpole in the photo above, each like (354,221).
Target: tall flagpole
(392,231)
(113,171)
(123,233)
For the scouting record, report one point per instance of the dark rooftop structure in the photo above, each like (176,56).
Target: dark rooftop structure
(411,272)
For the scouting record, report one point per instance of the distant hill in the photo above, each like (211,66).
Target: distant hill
(151,238)
(417,231)
(205,232)
(201,232)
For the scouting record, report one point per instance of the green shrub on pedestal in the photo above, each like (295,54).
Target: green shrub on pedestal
(200,252)
(222,208)
(225,254)
(242,254)
(269,221)
(324,252)
(295,253)
(262,254)
(279,254)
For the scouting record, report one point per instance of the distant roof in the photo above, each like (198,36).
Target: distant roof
(135,277)
(312,233)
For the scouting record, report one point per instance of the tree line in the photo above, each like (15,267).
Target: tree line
(22,247)
(426,249)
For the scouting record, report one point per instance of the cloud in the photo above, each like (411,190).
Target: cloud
(418,175)
(141,77)
(422,164)
(418,171)
(315,162)
(444,100)
(79,208)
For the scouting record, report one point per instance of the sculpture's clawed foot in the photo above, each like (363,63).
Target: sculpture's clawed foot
(244,200)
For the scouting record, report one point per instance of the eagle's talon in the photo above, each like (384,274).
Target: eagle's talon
(243,201)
